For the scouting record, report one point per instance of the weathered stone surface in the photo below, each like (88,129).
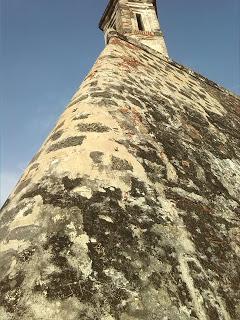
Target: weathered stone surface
(131,208)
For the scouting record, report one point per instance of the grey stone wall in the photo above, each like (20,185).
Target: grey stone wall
(130,210)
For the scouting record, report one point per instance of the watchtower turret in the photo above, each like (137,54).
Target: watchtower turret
(136,18)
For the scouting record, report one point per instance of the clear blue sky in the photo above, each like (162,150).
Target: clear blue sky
(48,47)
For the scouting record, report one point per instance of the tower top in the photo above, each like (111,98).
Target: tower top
(134,18)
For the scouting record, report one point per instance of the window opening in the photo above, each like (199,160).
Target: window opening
(140,22)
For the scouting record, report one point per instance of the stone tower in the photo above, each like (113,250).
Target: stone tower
(137,19)
(130,210)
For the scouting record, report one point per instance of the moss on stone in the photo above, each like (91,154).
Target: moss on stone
(120,164)
(96,156)
(56,135)
(69,142)
(92,127)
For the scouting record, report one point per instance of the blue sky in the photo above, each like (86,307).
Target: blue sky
(48,47)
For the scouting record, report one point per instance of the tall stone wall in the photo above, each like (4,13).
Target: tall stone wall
(130,210)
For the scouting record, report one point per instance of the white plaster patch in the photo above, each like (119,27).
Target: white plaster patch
(80,260)
(12,270)
(84,192)
(107,317)
(228,172)
(169,209)
(54,164)
(72,232)
(190,195)
(171,172)
(14,245)
(106,218)
(58,217)
(50,268)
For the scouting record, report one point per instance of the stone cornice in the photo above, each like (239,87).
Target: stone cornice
(109,9)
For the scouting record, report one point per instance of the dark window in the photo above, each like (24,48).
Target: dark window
(140,22)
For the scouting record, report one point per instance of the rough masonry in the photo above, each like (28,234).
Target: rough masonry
(130,210)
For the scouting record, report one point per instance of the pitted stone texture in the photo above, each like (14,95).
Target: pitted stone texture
(130,210)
